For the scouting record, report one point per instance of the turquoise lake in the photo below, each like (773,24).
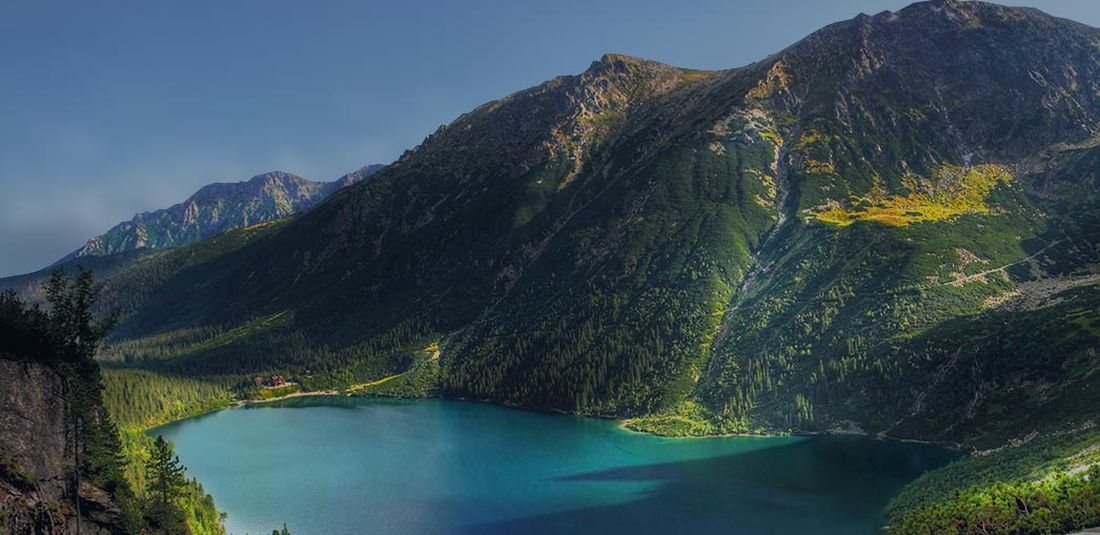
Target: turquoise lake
(340,465)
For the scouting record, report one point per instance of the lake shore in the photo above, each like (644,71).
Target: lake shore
(298,394)
(623,424)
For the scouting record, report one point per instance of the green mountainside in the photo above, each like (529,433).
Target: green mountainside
(891,227)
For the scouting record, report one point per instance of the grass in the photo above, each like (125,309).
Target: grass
(254,327)
(686,419)
(1087,320)
(264,394)
(12,472)
(950,192)
(362,386)
(420,380)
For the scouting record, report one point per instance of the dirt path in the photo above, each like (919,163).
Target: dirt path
(959,281)
(360,386)
(299,394)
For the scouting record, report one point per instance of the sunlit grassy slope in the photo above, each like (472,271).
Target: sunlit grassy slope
(951,191)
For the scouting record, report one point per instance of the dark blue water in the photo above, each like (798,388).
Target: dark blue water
(353,466)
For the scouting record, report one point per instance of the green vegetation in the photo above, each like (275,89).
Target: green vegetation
(11,471)
(266,393)
(807,243)
(1049,485)
(65,338)
(164,486)
(686,419)
(421,380)
(142,399)
(1062,503)
(950,192)
(1033,461)
(195,508)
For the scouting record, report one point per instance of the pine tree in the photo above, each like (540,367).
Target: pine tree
(165,485)
(70,343)
(70,300)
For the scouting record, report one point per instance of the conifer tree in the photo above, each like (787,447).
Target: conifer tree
(166,484)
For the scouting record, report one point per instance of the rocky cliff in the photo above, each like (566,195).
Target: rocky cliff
(35,468)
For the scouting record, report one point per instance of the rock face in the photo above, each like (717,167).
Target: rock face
(35,496)
(216,208)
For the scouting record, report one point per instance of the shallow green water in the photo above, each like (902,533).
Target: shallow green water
(353,465)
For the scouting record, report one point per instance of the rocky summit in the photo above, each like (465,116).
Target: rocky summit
(889,228)
(216,208)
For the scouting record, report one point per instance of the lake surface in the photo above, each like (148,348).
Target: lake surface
(334,466)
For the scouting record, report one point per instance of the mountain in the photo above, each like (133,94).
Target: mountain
(889,228)
(640,235)
(216,208)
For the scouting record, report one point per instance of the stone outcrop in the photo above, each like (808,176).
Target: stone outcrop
(35,469)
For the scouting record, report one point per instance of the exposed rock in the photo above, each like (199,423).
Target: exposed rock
(216,208)
(1039,294)
(35,495)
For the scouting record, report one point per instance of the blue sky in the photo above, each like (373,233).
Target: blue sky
(111,108)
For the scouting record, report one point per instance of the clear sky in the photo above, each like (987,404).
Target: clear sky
(111,108)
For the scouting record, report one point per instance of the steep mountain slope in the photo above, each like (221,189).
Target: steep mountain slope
(216,208)
(35,467)
(931,181)
(888,227)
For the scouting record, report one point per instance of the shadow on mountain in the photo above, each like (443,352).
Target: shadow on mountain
(821,485)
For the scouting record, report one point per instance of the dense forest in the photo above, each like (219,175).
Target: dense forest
(1050,485)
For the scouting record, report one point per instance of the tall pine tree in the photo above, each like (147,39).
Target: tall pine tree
(165,485)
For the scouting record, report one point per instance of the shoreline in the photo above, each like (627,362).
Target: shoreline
(621,424)
(299,394)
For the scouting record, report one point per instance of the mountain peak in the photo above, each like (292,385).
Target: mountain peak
(973,13)
(276,175)
(216,208)
(612,58)
(623,63)
(354,176)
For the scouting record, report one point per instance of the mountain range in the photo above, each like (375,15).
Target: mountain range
(216,208)
(889,228)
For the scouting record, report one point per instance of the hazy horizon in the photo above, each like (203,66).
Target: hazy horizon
(114,109)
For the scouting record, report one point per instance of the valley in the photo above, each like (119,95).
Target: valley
(866,233)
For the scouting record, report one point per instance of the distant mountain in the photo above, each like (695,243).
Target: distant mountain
(890,228)
(216,208)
